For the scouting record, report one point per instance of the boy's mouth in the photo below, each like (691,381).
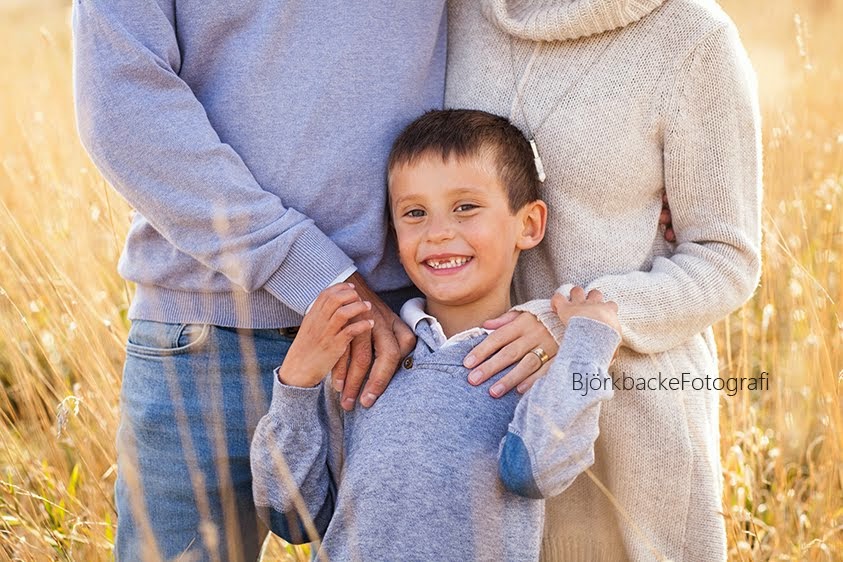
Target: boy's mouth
(447,264)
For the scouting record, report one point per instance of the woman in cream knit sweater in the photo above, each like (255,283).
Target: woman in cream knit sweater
(627,100)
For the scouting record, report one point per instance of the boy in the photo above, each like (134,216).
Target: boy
(434,469)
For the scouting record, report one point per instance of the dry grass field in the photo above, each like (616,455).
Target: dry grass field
(63,306)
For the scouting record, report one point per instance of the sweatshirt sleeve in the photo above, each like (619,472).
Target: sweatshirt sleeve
(542,309)
(295,458)
(712,174)
(551,438)
(151,139)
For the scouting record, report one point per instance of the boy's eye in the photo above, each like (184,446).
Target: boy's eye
(466,207)
(414,213)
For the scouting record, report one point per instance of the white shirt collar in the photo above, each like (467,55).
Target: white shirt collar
(412,312)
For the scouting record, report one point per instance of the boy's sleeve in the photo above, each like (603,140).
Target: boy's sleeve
(551,437)
(712,175)
(296,454)
(152,140)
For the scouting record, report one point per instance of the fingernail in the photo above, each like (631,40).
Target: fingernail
(368,304)
(521,388)
(496,390)
(475,376)
(338,385)
(348,403)
(368,399)
(351,285)
(469,361)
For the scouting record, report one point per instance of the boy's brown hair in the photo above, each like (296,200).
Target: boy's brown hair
(471,133)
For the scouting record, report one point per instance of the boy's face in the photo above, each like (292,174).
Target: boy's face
(457,238)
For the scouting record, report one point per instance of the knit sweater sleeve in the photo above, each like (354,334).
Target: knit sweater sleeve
(151,138)
(551,438)
(712,167)
(712,175)
(295,458)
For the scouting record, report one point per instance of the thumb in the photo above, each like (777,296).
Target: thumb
(501,320)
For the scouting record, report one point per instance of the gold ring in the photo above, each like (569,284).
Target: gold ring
(543,357)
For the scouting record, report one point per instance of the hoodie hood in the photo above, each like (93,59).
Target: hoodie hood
(559,20)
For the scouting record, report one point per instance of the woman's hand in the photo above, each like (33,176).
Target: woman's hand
(516,335)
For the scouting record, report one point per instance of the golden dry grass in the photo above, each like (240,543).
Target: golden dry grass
(63,323)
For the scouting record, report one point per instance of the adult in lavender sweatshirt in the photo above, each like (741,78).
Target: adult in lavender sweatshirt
(251,138)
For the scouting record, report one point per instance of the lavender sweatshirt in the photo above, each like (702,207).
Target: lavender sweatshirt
(437,469)
(251,138)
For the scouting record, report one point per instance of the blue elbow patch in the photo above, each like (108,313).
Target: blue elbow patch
(515,468)
(290,527)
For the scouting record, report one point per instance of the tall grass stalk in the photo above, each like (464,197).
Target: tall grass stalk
(63,306)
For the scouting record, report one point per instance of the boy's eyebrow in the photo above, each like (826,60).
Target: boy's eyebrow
(469,191)
(396,203)
(454,192)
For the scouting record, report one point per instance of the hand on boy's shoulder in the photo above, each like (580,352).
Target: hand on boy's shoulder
(587,306)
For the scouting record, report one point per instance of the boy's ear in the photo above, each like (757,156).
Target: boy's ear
(533,224)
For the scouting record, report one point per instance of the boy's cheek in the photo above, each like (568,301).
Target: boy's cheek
(404,252)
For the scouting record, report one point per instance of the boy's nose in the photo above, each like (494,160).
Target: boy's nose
(440,229)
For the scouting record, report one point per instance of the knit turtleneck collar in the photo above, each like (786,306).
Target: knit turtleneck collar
(558,20)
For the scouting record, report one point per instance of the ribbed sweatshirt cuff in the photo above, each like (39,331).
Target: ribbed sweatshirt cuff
(542,310)
(296,405)
(589,341)
(312,263)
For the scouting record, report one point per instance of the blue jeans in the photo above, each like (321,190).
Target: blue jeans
(192,395)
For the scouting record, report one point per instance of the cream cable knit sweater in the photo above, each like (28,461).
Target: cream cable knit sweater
(670,105)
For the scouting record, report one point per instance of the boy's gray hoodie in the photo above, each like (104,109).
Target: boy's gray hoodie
(437,469)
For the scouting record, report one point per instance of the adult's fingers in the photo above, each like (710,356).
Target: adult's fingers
(345,313)
(355,329)
(512,343)
(508,355)
(340,370)
(382,372)
(387,356)
(666,219)
(501,320)
(361,358)
(335,296)
(670,234)
(489,346)
(405,336)
(528,365)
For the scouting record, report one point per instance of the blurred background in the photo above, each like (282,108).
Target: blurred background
(63,307)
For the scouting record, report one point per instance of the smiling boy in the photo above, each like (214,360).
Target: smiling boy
(437,468)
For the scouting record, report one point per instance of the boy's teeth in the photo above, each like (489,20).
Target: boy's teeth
(447,263)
